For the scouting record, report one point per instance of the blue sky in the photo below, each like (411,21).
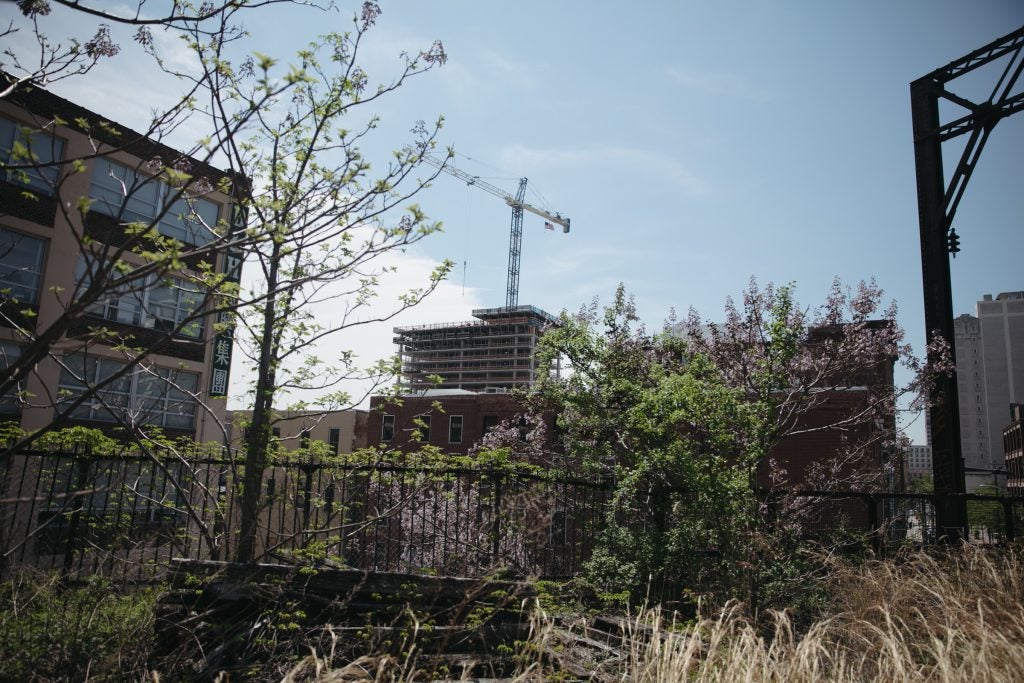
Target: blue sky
(694,145)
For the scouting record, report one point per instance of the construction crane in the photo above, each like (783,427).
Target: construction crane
(518,206)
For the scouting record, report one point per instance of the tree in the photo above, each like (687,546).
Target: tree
(53,60)
(141,254)
(313,218)
(793,363)
(320,226)
(692,422)
(664,427)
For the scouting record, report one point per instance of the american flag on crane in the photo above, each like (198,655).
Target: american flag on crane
(548,226)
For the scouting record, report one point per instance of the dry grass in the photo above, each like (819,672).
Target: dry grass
(958,617)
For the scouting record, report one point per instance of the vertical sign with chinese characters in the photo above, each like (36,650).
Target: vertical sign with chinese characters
(225,338)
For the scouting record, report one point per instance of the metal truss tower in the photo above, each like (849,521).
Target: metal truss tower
(937,204)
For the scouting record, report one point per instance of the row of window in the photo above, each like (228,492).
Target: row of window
(333,437)
(387,429)
(152,396)
(116,190)
(162,303)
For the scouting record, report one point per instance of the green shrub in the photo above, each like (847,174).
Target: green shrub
(53,633)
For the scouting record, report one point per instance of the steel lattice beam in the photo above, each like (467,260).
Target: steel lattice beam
(937,204)
(515,247)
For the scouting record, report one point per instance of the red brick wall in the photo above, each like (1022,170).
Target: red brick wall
(473,409)
(819,448)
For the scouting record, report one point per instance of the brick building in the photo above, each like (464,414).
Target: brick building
(451,419)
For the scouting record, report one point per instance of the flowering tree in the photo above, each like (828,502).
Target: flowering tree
(694,421)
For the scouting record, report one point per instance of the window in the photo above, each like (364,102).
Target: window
(455,429)
(9,353)
(334,439)
(490,422)
(387,428)
(17,147)
(21,267)
(122,193)
(154,396)
(157,303)
(424,428)
(304,439)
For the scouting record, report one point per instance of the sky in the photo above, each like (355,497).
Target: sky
(694,146)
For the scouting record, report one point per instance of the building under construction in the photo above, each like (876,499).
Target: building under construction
(491,354)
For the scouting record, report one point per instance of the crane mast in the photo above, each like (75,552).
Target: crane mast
(516,234)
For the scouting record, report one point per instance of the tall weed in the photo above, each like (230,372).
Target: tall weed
(95,632)
(946,616)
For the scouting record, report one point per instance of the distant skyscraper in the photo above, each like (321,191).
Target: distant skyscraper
(919,462)
(990,377)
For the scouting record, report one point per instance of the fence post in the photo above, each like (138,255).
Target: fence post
(496,523)
(876,531)
(1008,516)
(307,493)
(81,465)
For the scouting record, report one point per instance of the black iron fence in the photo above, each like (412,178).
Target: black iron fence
(894,520)
(127,515)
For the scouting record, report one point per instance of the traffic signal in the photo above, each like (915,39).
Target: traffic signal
(953,242)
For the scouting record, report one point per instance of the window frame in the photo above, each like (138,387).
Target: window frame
(135,197)
(42,178)
(451,428)
(173,400)
(486,428)
(35,271)
(424,430)
(387,427)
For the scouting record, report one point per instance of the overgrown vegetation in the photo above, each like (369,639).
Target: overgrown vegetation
(51,632)
(950,616)
(940,615)
(688,423)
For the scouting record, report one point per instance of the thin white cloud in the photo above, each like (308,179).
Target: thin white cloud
(508,72)
(715,83)
(649,163)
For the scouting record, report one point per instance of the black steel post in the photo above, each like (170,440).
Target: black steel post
(947,460)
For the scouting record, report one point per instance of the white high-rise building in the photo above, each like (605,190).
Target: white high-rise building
(919,462)
(990,376)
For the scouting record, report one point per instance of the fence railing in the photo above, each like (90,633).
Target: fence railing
(127,516)
(896,519)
